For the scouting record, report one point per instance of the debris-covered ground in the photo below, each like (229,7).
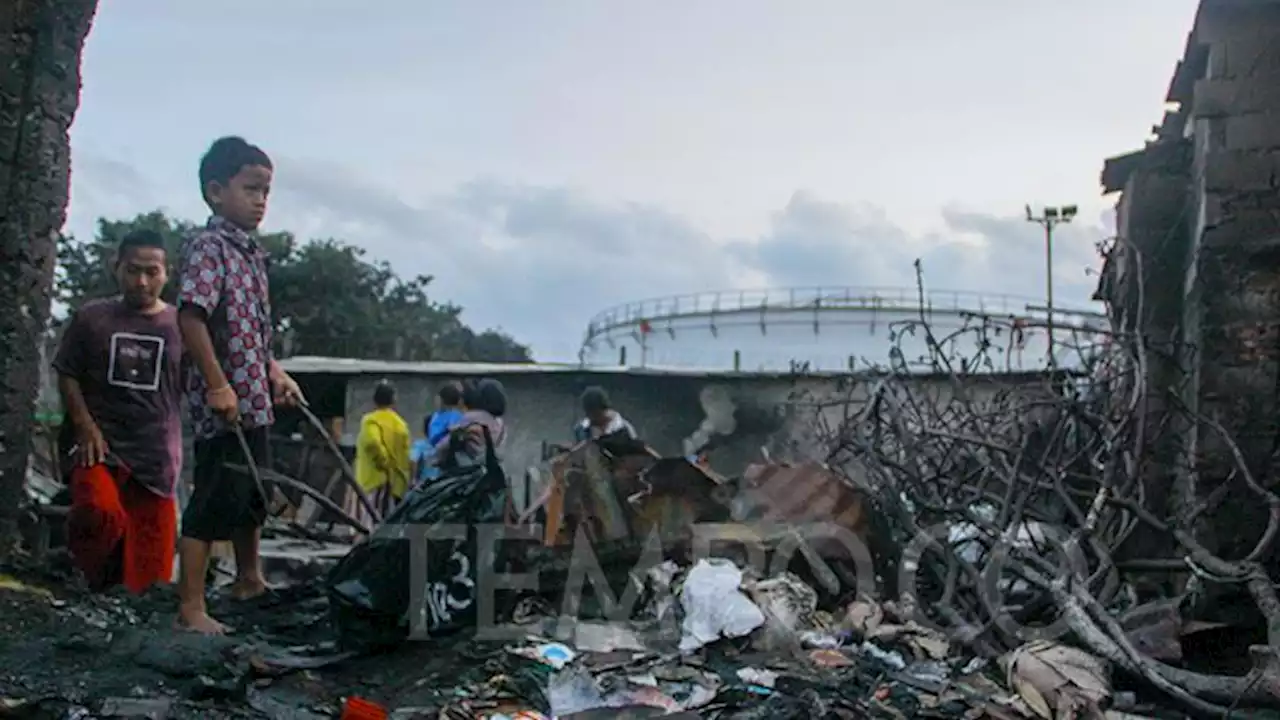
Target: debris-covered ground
(1009,563)
(762,651)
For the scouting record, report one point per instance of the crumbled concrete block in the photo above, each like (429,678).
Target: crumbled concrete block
(1253,131)
(1241,171)
(1235,96)
(1247,231)
(1245,53)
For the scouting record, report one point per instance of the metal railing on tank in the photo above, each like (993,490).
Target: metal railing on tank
(711,304)
(786,306)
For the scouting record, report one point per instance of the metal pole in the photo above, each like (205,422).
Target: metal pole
(1048,285)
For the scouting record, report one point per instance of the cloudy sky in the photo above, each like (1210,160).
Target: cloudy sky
(546,159)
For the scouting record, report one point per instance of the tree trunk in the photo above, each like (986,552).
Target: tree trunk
(40,46)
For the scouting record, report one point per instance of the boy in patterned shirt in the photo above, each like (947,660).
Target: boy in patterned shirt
(225,317)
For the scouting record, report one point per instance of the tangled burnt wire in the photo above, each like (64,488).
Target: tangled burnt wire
(1010,501)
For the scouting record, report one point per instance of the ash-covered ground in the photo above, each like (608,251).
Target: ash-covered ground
(66,653)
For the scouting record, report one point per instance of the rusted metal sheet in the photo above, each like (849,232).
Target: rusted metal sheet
(622,490)
(791,496)
(583,493)
(629,493)
(675,495)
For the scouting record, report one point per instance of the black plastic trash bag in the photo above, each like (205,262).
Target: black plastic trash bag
(371,598)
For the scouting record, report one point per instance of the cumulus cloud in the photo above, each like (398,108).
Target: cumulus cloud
(817,242)
(538,262)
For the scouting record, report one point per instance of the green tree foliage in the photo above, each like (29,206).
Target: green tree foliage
(327,297)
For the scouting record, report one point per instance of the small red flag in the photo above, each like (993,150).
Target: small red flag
(645,327)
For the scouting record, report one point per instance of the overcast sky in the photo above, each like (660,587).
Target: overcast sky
(546,159)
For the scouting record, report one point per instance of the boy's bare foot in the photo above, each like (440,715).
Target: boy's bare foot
(198,621)
(249,588)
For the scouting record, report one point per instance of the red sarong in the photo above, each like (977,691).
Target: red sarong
(118,531)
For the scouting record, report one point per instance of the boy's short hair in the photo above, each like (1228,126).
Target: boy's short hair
(450,394)
(225,158)
(384,395)
(144,238)
(595,399)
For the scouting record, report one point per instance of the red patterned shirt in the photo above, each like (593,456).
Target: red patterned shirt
(224,273)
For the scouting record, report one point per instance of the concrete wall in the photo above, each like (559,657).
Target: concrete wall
(746,411)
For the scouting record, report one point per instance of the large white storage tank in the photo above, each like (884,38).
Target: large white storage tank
(832,329)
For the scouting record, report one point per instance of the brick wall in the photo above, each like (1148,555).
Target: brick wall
(1201,206)
(1232,309)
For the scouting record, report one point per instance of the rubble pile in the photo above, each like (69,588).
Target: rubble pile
(709,641)
(1013,507)
(955,552)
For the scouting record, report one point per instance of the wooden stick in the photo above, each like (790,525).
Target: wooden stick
(306,489)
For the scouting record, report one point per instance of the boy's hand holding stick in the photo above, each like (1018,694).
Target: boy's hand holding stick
(224,401)
(285,389)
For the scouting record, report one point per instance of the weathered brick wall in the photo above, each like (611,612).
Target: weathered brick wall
(1232,310)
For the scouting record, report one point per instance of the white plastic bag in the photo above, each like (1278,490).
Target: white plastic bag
(714,605)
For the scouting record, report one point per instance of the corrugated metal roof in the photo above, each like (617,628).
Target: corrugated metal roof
(349,366)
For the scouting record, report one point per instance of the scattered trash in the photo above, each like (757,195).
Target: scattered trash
(788,605)
(753,676)
(863,616)
(368,594)
(574,691)
(892,659)
(356,708)
(826,641)
(715,606)
(554,654)
(659,580)
(830,658)
(930,676)
(706,636)
(605,637)
(8,582)
(1058,681)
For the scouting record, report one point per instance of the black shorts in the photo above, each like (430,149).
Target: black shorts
(224,500)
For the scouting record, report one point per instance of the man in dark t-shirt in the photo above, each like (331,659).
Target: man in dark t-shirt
(119,368)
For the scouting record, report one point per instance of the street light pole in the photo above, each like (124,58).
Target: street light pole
(1049,218)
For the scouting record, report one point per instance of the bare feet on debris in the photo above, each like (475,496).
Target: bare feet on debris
(197,620)
(249,588)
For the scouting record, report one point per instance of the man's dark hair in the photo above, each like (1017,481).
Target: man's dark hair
(136,239)
(226,157)
(450,394)
(492,397)
(595,399)
(471,394)
(384,395)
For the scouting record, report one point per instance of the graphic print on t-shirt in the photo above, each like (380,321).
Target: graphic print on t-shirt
(135,361)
